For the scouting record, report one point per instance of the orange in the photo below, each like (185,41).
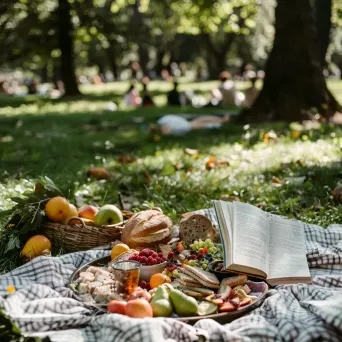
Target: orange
(159,279)
(118,250)
(57,209)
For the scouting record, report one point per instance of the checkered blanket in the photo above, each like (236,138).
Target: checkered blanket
(44,306)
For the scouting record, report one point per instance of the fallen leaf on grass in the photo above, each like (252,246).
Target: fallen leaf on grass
(98,173)
(147,177)
(278,181)
(261,205)
(191,152)
(337,194)
(289,165)
(212,163)
(227,197)
(126,159)
(178,166)
(295,134)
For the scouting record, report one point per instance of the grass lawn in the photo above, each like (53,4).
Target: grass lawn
(62,139)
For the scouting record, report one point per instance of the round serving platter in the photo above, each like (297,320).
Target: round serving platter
(224,317)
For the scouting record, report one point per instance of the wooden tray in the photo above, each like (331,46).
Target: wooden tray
(224,317)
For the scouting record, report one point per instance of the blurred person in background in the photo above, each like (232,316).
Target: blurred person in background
(173,96)
(32,87)
(172,124)
(146,97)
(251,93)
(225,94)
(134,70)
(132,97)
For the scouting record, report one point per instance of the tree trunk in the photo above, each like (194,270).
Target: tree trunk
(110,52)
(144,57)
(294,82)
(44,77)
(65,40)
(216,63)
(323,18)
(159,61)
(216,56)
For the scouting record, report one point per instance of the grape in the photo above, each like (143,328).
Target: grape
(208,241)
(201,244)
(212,250)
(192,246)
(204,266)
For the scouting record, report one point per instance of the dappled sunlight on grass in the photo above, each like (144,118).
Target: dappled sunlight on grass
(287,174)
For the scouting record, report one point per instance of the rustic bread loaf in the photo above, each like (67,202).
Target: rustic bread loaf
(147,228)
(194,227)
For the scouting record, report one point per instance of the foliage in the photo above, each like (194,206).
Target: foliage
(25,217)
(10,333)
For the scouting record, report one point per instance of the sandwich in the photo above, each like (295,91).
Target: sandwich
(207,279)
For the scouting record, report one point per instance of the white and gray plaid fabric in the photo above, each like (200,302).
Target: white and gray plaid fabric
(44,306)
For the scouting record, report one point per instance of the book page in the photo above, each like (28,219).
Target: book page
(223,213)
(251,237)
(287,249)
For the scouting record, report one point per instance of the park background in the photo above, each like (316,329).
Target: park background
(267,157)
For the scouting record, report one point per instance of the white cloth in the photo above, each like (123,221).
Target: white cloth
(177,124)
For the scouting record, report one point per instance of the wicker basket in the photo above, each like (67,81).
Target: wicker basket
(81,236)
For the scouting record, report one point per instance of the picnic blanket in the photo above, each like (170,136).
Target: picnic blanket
(43,305)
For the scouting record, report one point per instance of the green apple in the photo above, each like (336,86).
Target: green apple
(108,214)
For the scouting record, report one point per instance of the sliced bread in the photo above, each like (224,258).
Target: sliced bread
(205,278)
(194,227)
(234,281)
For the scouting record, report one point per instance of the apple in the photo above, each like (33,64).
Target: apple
(88,212)
(117,306)
(108,214)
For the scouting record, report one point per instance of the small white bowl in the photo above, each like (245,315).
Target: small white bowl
(146,272)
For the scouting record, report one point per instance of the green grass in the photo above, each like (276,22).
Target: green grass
(62,139)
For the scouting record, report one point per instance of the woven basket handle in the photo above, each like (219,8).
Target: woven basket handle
(76,218)
(119,225)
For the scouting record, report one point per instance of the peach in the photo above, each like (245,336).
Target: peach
(140,294)
(88,212)
(117,306)
(139,308)
(72,213)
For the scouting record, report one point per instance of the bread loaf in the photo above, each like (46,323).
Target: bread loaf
(194,227)
(147,228)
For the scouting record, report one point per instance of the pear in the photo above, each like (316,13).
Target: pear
(160,303)
(108,214)
(184,305)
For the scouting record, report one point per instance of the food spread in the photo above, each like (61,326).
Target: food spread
(173,279)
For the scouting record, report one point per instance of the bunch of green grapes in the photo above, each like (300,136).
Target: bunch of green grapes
(207,245)
(171,274)
(203,253)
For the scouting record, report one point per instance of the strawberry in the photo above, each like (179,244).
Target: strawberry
(180,247)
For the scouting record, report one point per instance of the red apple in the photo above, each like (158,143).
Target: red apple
(88,212)
(117,306)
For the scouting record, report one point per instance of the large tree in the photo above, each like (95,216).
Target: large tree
(294,81)
(65,39)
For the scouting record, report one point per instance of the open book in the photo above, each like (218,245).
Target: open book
(261,244)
